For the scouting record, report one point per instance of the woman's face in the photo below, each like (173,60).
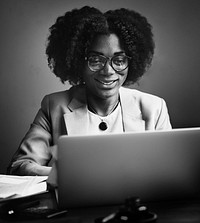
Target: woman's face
(104,83)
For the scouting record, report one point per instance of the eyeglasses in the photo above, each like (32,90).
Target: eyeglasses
(117,62)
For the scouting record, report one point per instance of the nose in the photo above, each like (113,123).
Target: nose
(108,70)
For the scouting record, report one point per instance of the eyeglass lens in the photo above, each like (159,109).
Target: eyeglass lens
(118,62)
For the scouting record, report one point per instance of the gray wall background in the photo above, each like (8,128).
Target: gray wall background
(25,77)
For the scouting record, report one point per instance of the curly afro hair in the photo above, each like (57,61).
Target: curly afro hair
(72,34)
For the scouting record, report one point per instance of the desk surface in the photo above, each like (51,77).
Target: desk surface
(171,212)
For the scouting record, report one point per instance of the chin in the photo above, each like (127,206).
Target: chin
(108,93)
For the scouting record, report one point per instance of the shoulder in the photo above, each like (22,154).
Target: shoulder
(153,109)
(57,98)
(142,98)
(60,96)
(62,99)
(149,104)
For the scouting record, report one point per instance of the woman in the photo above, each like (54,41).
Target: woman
(97,53)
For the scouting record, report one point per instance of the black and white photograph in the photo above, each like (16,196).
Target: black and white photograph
(99,111)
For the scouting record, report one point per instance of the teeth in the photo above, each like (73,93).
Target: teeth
(107,83)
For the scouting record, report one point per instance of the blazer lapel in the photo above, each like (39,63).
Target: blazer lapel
(76,119)
(131,112)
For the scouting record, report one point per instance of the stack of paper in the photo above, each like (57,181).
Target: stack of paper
(19,186)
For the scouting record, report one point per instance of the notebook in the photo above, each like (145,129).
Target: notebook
(103,170)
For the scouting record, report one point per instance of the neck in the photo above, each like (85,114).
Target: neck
(103,107)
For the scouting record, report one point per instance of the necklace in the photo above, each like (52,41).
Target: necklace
(103,125)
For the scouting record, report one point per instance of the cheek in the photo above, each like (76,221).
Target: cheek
(124,76)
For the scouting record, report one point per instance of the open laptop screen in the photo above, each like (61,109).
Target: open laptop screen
(106,169)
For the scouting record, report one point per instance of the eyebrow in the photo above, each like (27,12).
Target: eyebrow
(96,52)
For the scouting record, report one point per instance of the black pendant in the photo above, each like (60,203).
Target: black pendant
(103,126)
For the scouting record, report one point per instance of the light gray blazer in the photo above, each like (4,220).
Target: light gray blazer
(66,113)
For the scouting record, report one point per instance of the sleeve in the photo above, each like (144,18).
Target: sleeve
(163,121)
(34,153)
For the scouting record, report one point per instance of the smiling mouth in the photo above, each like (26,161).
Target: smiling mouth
(107,82)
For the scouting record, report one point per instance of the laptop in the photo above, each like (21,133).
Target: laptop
(99,170)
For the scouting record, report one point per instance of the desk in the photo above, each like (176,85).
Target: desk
(171,212)
(168,212)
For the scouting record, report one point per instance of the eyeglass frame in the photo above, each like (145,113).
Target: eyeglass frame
(110,59)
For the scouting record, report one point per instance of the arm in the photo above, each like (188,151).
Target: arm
(34,153)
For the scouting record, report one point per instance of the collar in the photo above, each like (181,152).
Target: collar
(77,121)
